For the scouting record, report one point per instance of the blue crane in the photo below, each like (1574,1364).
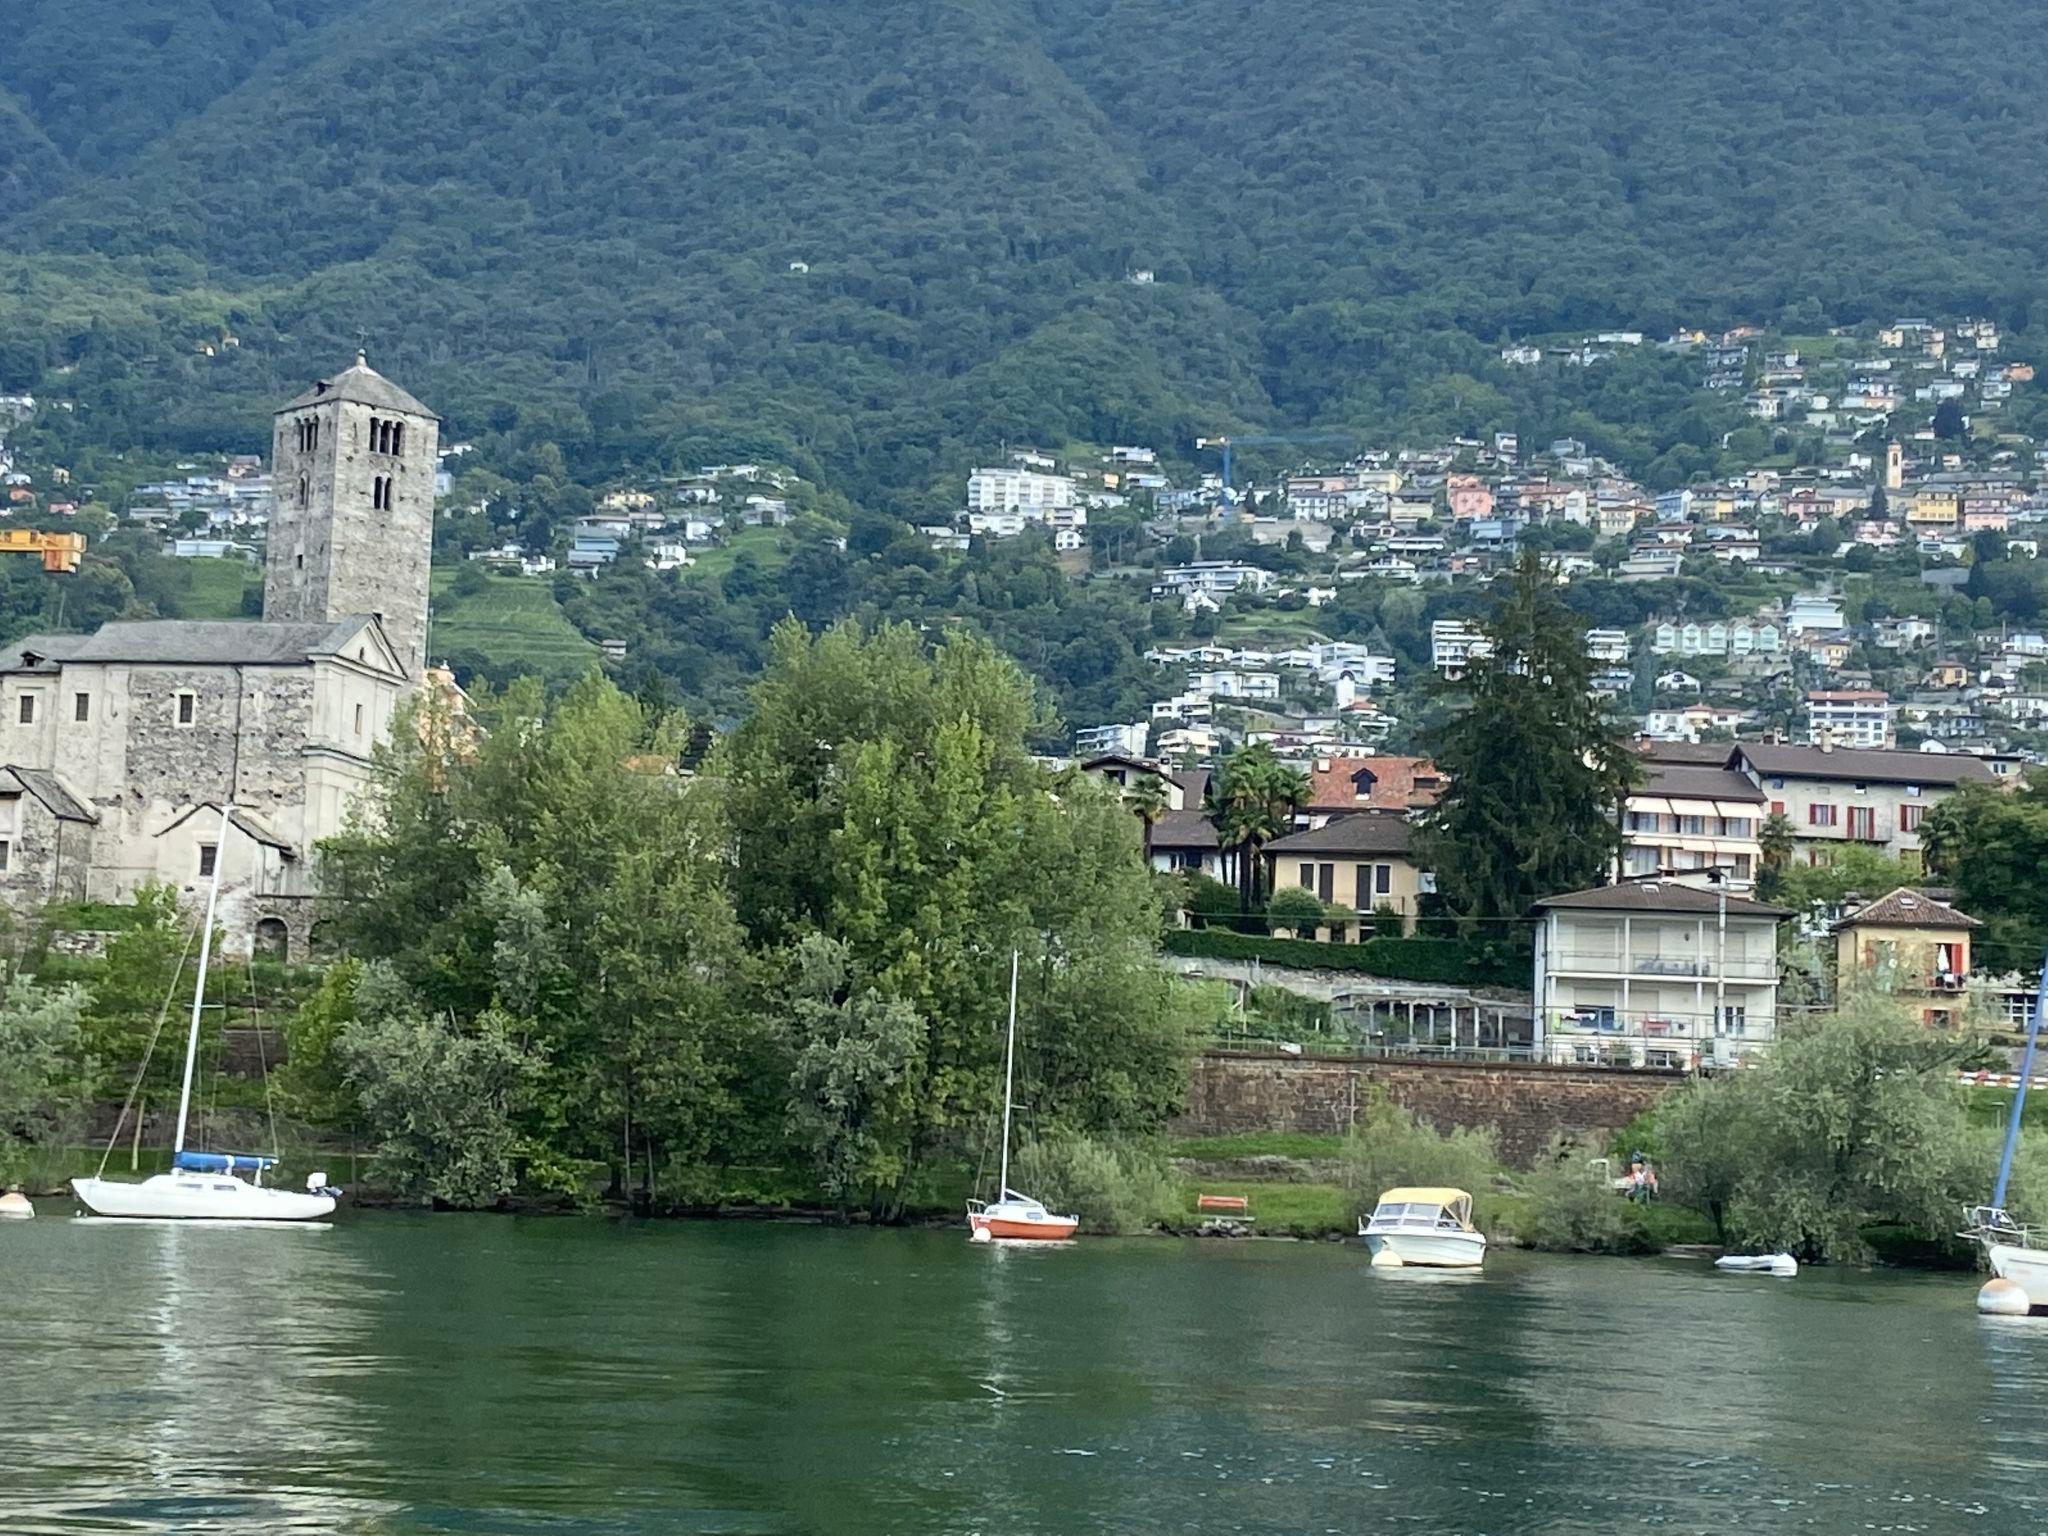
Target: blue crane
(1265,439)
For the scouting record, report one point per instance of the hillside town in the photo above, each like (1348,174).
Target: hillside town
(1820,644)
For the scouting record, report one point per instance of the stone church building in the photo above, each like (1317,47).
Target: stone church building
(119,749)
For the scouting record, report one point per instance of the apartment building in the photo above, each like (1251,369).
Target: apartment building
(1692,817)
(1835,795)
(1850,717)
(1018,490)
(1655,973)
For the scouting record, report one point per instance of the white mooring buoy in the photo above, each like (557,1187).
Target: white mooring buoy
(2001,1298)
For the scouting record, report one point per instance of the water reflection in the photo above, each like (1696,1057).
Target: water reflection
(166,1376)
(401,1375)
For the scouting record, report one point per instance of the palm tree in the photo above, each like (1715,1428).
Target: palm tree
(1146,795)
(1255,797)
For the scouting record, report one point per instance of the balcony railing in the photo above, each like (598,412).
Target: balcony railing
(1688,967)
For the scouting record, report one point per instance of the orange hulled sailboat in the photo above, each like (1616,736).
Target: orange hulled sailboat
(1012,1217)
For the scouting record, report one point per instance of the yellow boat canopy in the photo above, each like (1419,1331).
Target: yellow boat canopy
(1424,1196)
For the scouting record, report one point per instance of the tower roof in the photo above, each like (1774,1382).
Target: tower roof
(361,385)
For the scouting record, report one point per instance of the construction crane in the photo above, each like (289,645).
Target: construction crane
(1262,440)
(61,552)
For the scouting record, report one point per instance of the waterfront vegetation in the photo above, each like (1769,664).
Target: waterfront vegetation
(578,972)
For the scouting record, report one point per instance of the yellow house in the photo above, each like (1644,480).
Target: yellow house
(1914,946)
(1946,674)
(1360,861)
(1934,506)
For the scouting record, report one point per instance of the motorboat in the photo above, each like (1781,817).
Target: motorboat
(206,1186)
(1011,1217)
(203,1186)
(2016,1253)
(1782,1265)
(1428,1227)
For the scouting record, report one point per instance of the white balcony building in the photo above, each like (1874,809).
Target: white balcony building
(1655,973)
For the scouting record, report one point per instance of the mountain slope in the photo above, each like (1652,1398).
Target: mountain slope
(576,223)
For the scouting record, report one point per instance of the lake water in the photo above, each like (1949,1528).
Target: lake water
(402,1374)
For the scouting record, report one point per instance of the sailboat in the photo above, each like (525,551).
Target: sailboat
(2018,1255)
(204,1186)
(1012,1217)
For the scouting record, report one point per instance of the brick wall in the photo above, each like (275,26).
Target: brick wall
(1241,1092)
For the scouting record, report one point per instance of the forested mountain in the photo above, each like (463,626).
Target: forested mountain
(573,221)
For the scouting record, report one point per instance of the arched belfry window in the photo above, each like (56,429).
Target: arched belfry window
(380,493)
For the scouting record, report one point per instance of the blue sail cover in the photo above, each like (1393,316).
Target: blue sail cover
(222,1162)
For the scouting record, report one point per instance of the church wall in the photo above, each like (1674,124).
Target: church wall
(30,744)
(45,856)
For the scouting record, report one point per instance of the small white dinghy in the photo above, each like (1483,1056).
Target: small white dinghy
(1781,1264)
(14,1205)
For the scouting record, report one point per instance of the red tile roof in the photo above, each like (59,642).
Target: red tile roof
(1397,784)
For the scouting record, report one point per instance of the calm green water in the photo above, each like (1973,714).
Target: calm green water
(450,1374)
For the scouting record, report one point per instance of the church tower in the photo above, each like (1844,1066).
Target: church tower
(352,465)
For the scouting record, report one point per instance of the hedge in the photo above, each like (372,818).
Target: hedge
(1455,962)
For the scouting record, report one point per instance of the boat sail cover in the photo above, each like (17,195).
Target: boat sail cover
(222,1162)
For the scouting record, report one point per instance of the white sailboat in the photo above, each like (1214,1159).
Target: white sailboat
(1012,1217)
(203,1186)
(2017,1254)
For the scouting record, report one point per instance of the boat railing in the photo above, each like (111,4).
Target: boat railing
(1989,1224)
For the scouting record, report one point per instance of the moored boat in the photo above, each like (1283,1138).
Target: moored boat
(203,1186)
(1011,1217)
(1425,1226)
(1018,1218)
(1782,1265)
(2017,1254)
(15,1206)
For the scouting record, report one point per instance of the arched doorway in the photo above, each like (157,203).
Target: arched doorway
(273,939)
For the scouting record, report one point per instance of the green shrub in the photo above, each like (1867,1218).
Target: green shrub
(1389,1147)
(1456,962)
(1114,1187)
(1572,1208)
(1296,908)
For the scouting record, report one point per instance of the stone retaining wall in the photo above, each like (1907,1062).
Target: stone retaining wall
(1235,1093)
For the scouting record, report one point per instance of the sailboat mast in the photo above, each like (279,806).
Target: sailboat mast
(220,853)
(2019,1094)
(1009,1076)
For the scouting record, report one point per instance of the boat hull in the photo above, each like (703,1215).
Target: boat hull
(1004,1229)
(176,1197)
(2026,1268)
(1430,1250)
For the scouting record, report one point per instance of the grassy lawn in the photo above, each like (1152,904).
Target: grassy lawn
(1280,1210)
(515,621)
(1990,1106)
(212,589)
(764,544)
(1272,627)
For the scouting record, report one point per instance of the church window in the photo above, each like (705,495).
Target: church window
(188,708)
(28,709)
(81,707)
(397,438)
(359,719)
(298,562)
(207,854)
(5,850)
(305,491)
(380,493)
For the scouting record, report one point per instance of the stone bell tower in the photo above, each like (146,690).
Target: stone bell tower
(352,508)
